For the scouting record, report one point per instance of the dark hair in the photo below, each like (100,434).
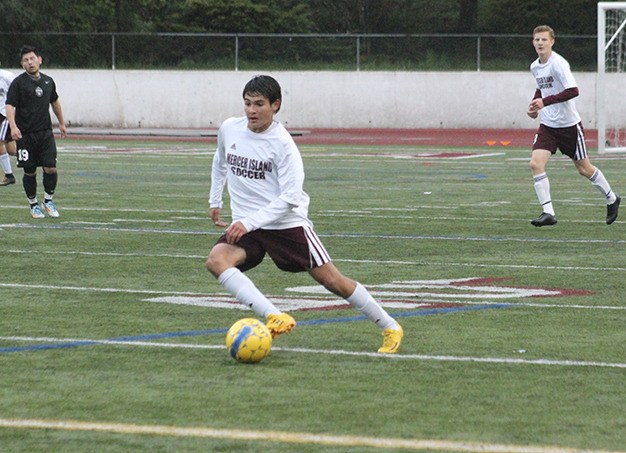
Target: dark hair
(266,86)
(28,49)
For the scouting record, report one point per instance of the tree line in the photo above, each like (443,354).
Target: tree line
(298,16)
(73,33)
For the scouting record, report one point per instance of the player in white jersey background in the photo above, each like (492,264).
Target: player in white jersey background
(261,165)
(7,144)
(561,127)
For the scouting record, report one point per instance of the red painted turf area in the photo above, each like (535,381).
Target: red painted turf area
(419,137)
(468,138)
(519,138)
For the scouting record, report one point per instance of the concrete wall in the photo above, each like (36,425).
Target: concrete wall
(203,99)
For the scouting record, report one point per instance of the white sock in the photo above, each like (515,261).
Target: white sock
(599,182)
(5,161)
(242,288)
(542,189)
(363,301)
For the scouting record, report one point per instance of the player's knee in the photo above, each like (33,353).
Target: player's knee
(536,166)
(218,261)
(585,168)
(30,171)
(11,148)
(587,172)
(212,265)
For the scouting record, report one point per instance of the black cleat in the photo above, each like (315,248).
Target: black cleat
(544,219)
(11,180)
(611,211)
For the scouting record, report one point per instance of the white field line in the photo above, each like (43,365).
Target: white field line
(416,357)
(100,290)
(416,237)
(321,215)
(380,262)
(195,294)
(142,211)
(280,436)
(432,218)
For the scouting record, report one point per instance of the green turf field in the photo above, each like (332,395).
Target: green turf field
(112,331)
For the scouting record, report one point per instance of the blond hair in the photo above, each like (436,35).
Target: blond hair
(543,29)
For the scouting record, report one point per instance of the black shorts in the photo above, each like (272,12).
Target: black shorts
(293,250)
(569,140)
(37,149)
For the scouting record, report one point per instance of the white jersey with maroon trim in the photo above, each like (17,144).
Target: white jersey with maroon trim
(6,78)
(553,77)
(265,176)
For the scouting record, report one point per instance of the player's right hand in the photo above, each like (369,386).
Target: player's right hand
(215,217)
(16,134)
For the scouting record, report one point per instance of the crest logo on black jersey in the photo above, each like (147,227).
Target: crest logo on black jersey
(38,92)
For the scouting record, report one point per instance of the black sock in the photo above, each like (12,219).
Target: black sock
(49,182)
(30,186)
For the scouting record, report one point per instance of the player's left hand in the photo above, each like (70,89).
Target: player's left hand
(234,232)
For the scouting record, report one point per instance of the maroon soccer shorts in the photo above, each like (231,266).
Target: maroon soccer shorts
(293,250)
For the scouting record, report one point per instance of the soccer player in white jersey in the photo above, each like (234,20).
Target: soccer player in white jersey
(561,127)
(259,161)
(7,144)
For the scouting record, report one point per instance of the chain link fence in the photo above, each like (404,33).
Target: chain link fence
(333,52)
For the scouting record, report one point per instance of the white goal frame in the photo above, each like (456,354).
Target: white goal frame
(617,123)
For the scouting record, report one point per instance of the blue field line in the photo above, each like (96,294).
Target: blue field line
(407,314)
(192,333)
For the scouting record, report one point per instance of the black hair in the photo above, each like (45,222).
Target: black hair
(266,86)
(27,49)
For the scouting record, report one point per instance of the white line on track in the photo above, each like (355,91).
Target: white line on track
(280,436)
(417,357)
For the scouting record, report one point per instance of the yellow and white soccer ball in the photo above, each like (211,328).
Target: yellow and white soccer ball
(248,340)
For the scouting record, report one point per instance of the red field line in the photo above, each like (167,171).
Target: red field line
(469,138)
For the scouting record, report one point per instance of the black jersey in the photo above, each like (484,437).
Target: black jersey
(31,99)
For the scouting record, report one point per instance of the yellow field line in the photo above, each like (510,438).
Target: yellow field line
(280,436)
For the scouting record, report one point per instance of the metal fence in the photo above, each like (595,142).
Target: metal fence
(349,52)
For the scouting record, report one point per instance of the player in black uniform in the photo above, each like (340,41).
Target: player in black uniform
(28,102)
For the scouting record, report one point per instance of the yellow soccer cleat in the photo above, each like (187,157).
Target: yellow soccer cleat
(279,324)
(391,341)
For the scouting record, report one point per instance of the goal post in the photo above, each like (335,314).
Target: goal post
(611,78)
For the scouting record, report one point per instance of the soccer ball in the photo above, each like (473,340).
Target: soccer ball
(248,340)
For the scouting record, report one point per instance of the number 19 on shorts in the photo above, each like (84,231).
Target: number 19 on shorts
(23,155)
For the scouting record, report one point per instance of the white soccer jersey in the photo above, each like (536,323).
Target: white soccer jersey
(553,77)
(6,78)
(265,176)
